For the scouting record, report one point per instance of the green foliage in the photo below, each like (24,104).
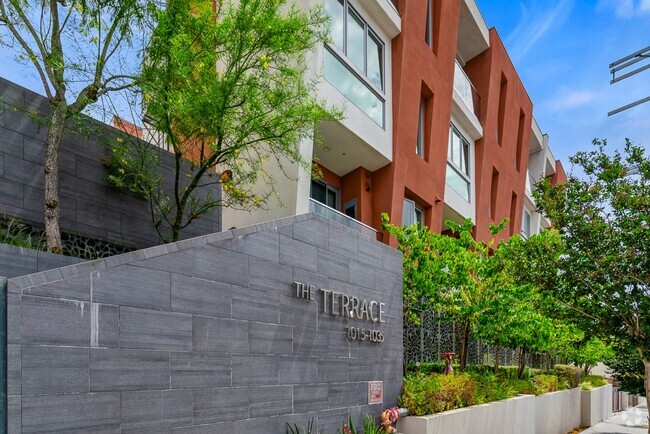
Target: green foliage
(431,393)
(627,368)
(589,382)
(604,219)
(228,104)
(19,235)
(570,374)
(294,429)
(590,352)
(370,426)
(132,166)
(545,383)
(428,394)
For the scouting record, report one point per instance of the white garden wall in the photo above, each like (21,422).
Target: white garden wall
(596,405)
(553,413)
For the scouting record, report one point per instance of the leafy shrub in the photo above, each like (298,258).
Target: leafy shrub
(570,374)
(427,394)
(589,382)
(545,383)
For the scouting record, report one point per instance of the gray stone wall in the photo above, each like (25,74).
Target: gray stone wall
(89,205)
(18,261)
(205,335)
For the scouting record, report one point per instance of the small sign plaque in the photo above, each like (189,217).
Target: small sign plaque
(375,392)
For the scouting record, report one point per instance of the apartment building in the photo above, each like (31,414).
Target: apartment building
(438,125)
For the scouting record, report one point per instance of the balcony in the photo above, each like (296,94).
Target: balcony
(466,104)
(332,214)
(473,34)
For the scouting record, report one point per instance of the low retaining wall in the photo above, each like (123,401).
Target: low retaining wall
(596,405)
(557,412)
(510,416)
(553,413)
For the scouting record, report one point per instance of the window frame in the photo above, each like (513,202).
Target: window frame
(417,212)
(451,164)
(328,187)
(380,91)
(524,233)
(420,139)
(428,30)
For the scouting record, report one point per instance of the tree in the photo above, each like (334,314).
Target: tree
(589,352)
(75,49)
(604,219)
(226,87)
(453,274)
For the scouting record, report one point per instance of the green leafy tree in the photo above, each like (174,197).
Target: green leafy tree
(226,86)
(452,274)
(627,368)
(604,219)
(589,352)
(78,49)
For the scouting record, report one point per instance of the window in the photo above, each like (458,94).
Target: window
(503,92)
(361,77)
(428,32)
(525,224)
(458,164)
(325,193)
(513,212)
(411,214)
(520,139)
(350,208)
(419,147)
(494,188)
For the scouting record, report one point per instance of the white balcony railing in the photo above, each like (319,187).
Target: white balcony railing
(332,214)
(466,90)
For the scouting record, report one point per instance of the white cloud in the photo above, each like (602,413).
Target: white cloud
(625,8)
(571,99)
(534,24)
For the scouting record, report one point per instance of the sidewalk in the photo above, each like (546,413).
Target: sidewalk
(632,421)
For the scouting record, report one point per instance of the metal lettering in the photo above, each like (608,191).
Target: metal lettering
(336,296)
(345,305)
(364,310)
(371,311)
(355,308)
(326,293)
(381,312)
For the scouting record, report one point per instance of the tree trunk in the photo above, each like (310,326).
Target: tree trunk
(464,345)
(496,359)
(51,204)
(522,362)
(646,363)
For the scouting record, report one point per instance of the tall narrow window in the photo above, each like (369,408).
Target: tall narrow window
(525,224)
(503,91)
(419,148)
(412,214)
(494,188)
(513,212)
(520,139)
(428,37)
(458,164)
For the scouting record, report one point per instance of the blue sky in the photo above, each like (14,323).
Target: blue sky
(562,50)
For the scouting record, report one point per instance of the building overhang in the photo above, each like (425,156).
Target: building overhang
(473,32)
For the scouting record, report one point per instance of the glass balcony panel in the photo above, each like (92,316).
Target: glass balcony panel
(464,87)
(332,214)
(353,88)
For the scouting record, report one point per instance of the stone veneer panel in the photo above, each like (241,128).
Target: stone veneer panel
(136,343)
